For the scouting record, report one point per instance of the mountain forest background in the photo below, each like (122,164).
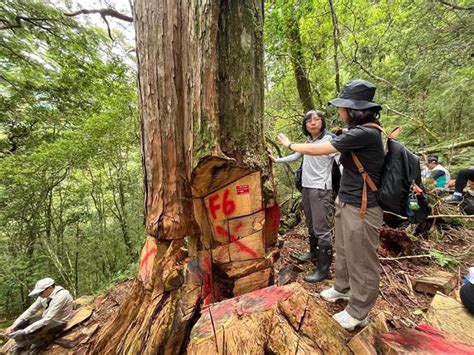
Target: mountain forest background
(71,191)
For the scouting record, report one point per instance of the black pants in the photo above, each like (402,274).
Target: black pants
(41,337)
(461,180)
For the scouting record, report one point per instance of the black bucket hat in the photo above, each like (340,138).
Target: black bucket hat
(358,95)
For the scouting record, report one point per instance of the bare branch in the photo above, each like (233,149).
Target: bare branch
(103,13)
(454,6)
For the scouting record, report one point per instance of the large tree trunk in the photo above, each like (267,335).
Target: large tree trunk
(200,93)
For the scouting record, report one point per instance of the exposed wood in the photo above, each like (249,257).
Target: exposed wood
(441,281)
(79,316)
(248,248)
(238,269)
(451,317)
(252,282)
(277,319)
(423,340)
(364,342)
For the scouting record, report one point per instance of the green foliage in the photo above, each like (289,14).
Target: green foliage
(443,260)
(71,192)
(418,53)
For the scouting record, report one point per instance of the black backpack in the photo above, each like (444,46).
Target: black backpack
(401,185)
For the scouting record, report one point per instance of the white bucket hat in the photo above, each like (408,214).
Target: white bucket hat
(41,285)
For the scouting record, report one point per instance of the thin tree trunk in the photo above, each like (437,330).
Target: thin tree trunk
(296,51)
(335,32)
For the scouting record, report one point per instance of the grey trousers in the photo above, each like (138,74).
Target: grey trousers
(316,204)
(357,263)
(40,337)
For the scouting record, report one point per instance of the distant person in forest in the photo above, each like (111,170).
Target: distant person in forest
(31,331)
(463,177)
(437,172)
(316,194)
(358,217)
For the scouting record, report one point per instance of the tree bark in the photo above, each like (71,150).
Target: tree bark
(200,81)
(296,50)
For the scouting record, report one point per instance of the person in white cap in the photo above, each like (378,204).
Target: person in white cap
(32,331)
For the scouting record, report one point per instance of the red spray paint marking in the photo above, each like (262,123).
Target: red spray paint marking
(221,230)
(149,253)
(228,206)
(249,303)
(427,340)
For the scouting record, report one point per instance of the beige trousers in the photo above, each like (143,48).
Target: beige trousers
(357,263)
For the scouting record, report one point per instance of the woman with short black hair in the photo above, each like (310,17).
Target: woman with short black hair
(316,193)
(358,217)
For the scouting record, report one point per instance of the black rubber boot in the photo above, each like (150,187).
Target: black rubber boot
(322,270)
(313,251)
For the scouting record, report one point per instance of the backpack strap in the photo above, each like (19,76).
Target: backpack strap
(367,180)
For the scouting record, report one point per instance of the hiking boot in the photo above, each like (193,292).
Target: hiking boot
(454,199)
(311,255)
(331,295)
(348,322)
(324,262)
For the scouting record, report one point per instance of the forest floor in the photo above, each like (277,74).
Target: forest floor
(449,248)
(402,306)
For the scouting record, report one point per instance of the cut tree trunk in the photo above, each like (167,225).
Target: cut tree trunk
(200,70)
(275,320)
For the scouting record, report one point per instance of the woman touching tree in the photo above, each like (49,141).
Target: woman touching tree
(358,216)
(316,194)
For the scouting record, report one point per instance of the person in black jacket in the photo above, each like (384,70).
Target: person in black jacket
(358,216)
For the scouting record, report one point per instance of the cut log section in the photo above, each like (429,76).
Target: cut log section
(441,281)
(424,339)
(364,342)
(450,316)
(276,319)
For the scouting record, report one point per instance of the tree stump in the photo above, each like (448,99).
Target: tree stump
(276,319)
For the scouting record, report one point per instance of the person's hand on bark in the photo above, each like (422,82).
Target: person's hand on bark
(270,155)
(284,139)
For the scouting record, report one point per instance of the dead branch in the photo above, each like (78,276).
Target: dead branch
(450,216)
(456,7)
(407,257)
(468,143)
(19,19)
(419,122)
(103,13)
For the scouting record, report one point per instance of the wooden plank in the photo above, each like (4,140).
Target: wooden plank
(252,282)
(364,342)
(240,198)
(441,281)
(451,317)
